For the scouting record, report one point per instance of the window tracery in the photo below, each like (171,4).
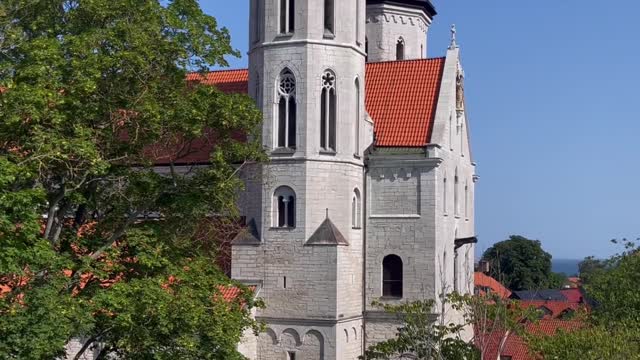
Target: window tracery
(286,129)
(328,112)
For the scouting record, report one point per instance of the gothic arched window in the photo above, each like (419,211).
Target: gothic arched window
(328,112)
(287,16)
(286,126)
(356,210)
(400,49)
(284,208)
(328,17)
(356,131)
(392,276)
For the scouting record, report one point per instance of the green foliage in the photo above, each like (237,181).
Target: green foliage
(422,336)
(93,91)
(521,264)
(589,267)
(591,343)
(426,335)
(612,328)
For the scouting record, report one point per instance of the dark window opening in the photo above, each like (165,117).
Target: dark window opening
(392,276)
(328,16)
(400,49)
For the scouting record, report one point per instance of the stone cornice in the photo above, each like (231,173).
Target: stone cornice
(397,15)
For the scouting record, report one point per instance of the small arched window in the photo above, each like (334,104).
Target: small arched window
(356,131)
(287,16)
(400,49)
(286,127)
(328,17)
(392,276)
(328,112)
(284,208)
(356,210)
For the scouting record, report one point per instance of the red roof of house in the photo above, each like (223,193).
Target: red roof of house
(484,281)
(556,308)
(515,346)
(401,97)
(573,295)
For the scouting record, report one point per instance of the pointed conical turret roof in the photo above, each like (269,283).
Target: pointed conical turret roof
(248,236)
(327,234)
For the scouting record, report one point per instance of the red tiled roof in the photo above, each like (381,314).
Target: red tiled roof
(229,81)
(573,295)
(515,346)
(231,293)
(557,308)
(484,281)
(401,97)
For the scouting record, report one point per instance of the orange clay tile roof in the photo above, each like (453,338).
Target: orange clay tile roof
(401,97)
(515,346)
(484,281)
(229,81)
(231,293)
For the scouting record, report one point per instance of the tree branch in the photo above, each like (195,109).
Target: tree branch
(116,235)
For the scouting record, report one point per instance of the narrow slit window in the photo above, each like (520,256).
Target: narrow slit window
(356,130)
(400,49)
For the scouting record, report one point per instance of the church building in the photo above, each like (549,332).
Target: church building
(368,194)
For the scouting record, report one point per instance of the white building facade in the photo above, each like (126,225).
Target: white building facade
(369,191)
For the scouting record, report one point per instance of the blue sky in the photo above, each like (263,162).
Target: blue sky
(552,90)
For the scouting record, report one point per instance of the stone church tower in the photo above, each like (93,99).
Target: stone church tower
(306,245)
(358,202)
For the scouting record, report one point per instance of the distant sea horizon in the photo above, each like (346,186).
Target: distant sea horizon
(566,266)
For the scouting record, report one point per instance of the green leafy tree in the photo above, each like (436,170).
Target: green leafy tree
(521,264)
(589,267)
(92,94)
(425,335)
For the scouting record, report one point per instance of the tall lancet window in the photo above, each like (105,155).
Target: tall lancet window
(466,200)
(287,16)
(444,195)
(356,130)
(456,194)
(328,112)
(400,49)
(286,129)
(356,210)
(328,17)
(284,208)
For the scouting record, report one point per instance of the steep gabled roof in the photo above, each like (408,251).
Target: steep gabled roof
(401,97)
